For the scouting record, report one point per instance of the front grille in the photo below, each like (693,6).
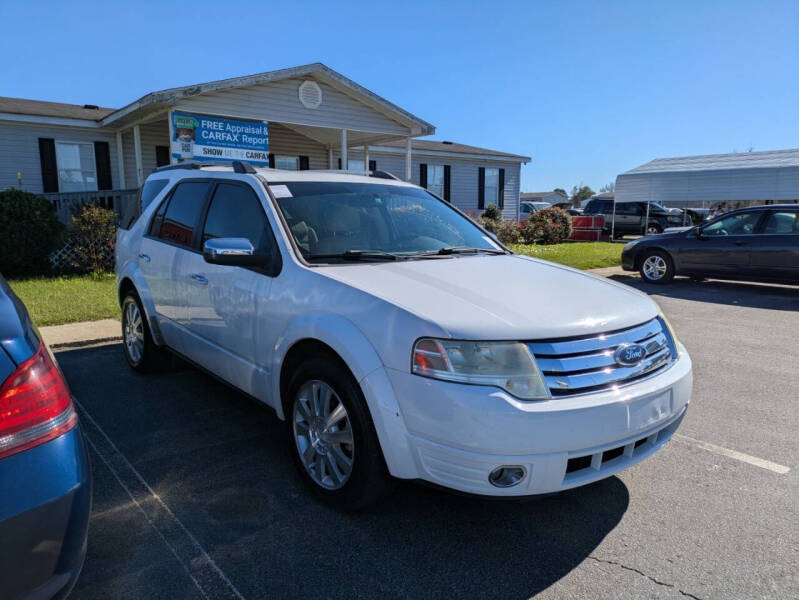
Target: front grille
(586,364)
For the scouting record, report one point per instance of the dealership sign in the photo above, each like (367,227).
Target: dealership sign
(203,138)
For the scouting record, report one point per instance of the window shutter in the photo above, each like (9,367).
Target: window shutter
(304,163)
(102,161)
(373,165)
(501,188)
(481,188)
(339,164)
(161,156)
(271,161)
(49,168)
(446,183)
(423,175)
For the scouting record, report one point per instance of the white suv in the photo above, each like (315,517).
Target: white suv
(395,337)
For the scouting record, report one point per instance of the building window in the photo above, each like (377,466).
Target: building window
(435,179)
(491,187)
(288,163)
(355,164)
(77,170)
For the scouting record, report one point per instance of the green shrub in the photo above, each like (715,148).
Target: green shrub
(91,238)
(29,233)
(547,226)
(510,232)
(492,213)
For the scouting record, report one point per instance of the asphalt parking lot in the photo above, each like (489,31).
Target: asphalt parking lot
(195,494)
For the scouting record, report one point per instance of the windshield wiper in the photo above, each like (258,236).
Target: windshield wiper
(356,255)
(459,250)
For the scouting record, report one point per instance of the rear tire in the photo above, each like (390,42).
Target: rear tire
(137,342)
(333,439)
(656,267)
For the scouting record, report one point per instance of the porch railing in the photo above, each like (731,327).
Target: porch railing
(125,203)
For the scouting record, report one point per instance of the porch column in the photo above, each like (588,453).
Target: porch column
(330,157)
(343,148)
(120,163)
(137,150)
(366,157)
(407,159)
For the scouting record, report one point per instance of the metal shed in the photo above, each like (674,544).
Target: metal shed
(724,181)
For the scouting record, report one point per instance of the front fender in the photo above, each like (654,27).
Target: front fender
(350,343)
(130,270)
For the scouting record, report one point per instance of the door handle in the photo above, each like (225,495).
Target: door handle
(144,257)
(199,278)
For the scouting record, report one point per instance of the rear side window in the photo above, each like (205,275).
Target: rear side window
(151,188)
(183,212)
(235,211)
(782,222)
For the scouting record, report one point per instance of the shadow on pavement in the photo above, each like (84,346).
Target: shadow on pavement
(221,463)
(734,293)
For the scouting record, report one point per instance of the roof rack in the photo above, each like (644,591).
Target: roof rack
(377,174)
(239,166)
(383,175)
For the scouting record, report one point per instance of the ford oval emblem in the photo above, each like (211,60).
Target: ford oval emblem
(629,355)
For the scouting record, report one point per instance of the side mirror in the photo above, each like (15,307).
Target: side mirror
(232,251)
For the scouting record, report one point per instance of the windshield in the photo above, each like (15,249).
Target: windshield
(333,218)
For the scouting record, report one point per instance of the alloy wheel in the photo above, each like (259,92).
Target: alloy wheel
(655,267)
(133,330)
(323,434)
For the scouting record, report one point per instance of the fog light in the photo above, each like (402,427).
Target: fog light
(506,476)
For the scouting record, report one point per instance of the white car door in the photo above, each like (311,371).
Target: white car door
(223,300)
(163,252)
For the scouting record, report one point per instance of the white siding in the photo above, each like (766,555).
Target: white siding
(463,176)
(285,141)
(19,151)
(278,101)
(152,135)
(695,188)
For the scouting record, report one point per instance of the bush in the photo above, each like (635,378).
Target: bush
(547,226)
(492,213)
(510,232)
(29,233)
(91,239)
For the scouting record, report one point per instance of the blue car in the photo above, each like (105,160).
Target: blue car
(45,475)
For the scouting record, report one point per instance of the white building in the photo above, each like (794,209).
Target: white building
(307,117)
(710,181)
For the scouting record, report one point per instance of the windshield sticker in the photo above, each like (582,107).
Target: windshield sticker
(280,191)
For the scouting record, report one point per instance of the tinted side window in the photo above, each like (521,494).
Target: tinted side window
(782,222)
(155,226)
(235,211)
(150,190)
(183,212)
(738,224)
(591,208)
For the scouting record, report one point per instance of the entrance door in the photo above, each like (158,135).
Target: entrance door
(723,248)
(223,300)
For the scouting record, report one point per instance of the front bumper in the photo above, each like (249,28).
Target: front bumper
(628,260)
(454,435)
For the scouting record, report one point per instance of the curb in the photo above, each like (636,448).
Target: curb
(81,343)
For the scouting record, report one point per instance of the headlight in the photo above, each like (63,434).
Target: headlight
(629,245)
(506,365)
(671,333)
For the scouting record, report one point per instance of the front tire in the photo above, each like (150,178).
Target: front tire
(656,267)
(333,440)
(137,342)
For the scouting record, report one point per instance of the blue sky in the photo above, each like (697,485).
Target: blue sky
(588,89)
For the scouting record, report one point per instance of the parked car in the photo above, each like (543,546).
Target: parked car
(755,244)
(567,206)
(45,476)
(526,208)
(631,217)
(395,337)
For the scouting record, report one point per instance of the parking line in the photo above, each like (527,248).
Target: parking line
(747,458)
(206,575)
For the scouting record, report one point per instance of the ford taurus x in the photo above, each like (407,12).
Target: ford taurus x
(395,337)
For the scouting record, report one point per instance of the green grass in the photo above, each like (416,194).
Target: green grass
(580,255)
(58,300)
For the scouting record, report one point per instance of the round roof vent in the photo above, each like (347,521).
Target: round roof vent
(310,94)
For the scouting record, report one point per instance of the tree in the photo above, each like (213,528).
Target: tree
(608,187)
(579,194)
(562,192)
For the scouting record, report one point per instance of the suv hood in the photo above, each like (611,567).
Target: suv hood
(507,297)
